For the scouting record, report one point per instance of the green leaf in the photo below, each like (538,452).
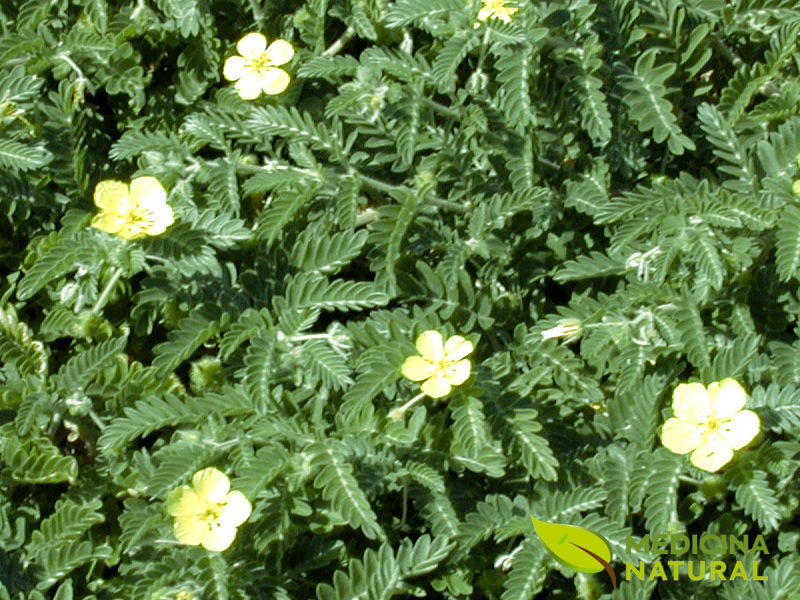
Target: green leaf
(62,257)
(787,243)
(595,264)
(22,157)
(777,406)
(405,12)
(449,57)
(661,500)
(270,121)
(693,335)
(310,290)
(339,486)
(153,413)
(17,346)
(326,365)
(573,546)
(757,497)
(69,521)
(729,148)
(37,460)
(192,331)
(647,103)
(326,254)
(533,449)
(528,572)
(84,366)
(514,74)
(283,208)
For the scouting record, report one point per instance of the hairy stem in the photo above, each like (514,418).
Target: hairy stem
(104,295)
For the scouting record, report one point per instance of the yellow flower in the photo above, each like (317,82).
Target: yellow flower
(207,513)
(796,187)
(132,212)
(441,365)
(256,71)
(709,423)
(496,9)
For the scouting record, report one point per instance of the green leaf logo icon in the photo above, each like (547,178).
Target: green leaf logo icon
(576,547)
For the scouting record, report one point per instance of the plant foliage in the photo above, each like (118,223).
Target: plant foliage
(623,169)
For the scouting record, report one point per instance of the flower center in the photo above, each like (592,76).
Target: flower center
(715,424)
(139,215)
(443,365)
(261,63)
(210,516)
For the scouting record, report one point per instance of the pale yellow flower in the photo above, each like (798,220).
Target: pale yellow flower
(496,9)
(796,187)
(133,211)
(709,423)
(207,513)
(441,365)
(256,70)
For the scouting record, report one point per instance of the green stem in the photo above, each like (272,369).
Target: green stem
(382,186)
(726,51)
(320,29)
(398,413)
(692,480)
(104,295)
(405,506)
(258,14)
(339,44)
(375,184)
(441,108)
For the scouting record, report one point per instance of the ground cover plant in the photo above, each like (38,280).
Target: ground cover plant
(328,298)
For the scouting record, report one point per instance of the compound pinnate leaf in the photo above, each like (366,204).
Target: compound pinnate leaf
(573,546)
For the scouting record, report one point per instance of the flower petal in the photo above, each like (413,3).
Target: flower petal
(457,373)
(183,501)
(249,86)
(211,484)
(252,45)
(190,530)
(235,68)
(157,220)
(218,538)
(108,222)
(151,205)
(417,368)
(437,386)
(111,196)
(740,429)
(147,191)
(712,454)
(274,81)
(235,510)
(456,348)
(726,398)
(690,402)
(280,52)
(430,345)
(681,436)
(131,231)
